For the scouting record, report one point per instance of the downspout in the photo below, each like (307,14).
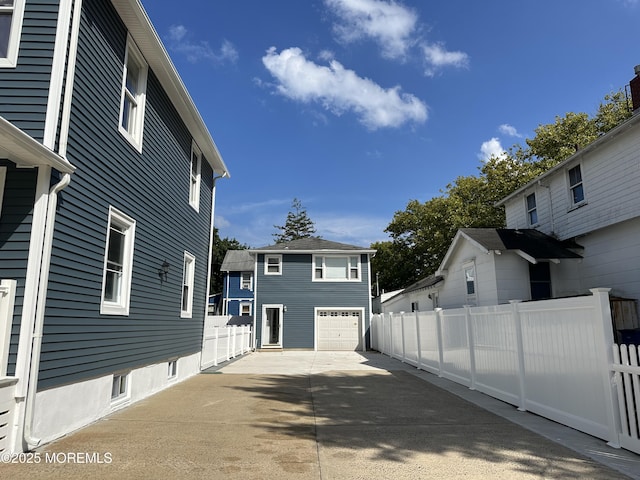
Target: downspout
(210,269)
(39,314)
(47,246)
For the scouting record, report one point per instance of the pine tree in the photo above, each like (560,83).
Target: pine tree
(298,224)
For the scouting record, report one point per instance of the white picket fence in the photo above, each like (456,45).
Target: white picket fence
(222,342)
(555,358)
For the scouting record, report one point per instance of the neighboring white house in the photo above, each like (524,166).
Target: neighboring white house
(573,228)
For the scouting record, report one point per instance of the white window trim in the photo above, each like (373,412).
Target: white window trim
(188,277)
(249,304)
(11,60)
(194,184)
(250,287)
(122,397)
(570,187)
(529,210)
(3,179)
(349,267)
(471,297)
(266,264)
(172,369)
(121,307)
(134,138)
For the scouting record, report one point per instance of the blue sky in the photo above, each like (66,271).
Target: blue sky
(356,107)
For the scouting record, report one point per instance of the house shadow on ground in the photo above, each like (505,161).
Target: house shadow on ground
(393,419)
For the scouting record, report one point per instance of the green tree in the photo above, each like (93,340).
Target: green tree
(218,251)
(298,224)
(421,234)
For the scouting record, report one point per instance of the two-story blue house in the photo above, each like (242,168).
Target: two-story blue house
(238,283)
(107,182)
(312,294)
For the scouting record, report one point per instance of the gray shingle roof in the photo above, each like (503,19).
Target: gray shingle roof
(312,244)
(237,261)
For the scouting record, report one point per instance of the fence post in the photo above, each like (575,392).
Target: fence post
(402,332)
(440,340)
(215,345)
(391,335)
(515,312)
(418,340)
(603,311)
(228,342)
(471,343)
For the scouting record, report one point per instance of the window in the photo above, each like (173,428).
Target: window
(188,275)
(118,263)
(246,281)
(172,369)
(134,85)
(11,13)
(336,268)
(470,281)
(575,185)
(273,265)
(119,387)
(245,309)
(532,211)
(415,307)
(194,187)
(540,280)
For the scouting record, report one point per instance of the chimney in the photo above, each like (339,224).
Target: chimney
(634,86)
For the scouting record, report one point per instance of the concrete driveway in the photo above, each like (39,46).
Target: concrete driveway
(307,415)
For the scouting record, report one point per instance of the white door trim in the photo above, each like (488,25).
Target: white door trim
(280,308)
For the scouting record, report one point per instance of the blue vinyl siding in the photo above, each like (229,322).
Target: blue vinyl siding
(295,289)
(152,187)
(15,232)
(24,90)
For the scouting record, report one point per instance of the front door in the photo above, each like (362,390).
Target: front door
(272,325)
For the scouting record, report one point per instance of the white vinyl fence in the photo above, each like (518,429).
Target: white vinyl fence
(555,358)
(222,342)
(7,384)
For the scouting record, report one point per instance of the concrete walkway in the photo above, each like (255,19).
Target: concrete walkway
(307,415)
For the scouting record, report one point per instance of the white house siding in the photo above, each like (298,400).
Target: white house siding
(453,293)
(612,260)
(400,303)
(512,274)
(610,175)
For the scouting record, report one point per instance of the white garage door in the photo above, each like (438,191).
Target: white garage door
(339,329)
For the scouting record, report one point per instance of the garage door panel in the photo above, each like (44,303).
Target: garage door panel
(339,329)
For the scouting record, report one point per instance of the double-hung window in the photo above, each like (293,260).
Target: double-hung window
(338,268)
(118,263)
(11,13)
(576,189)
(132,102)
(194,187)
(188,275)
(469,270)
(273,265)
(246,280)
(532,211)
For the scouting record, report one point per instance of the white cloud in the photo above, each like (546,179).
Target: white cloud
(340,90)
(509,130)
(437,57)
(491,148)
(389,23)
(179,41)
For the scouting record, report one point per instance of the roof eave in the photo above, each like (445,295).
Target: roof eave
(141,29)
(25,151)
(610,135)
(314,251)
